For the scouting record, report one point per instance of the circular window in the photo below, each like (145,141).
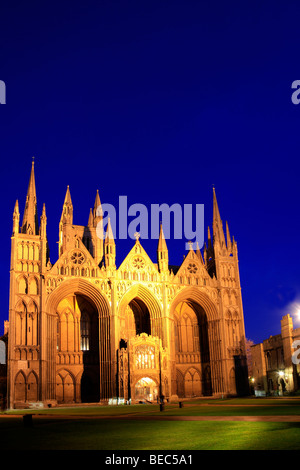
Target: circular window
(77,257)
(138,263)
(192,268)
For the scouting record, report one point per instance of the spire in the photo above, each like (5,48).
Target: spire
(209,243)
(109,247)
(162,245)
(218,233)
(16,218)
(229,245)
(109,237)
(91,219)
(162,252)
(97,212)
(30,223)
(43,222)
(68,199)
(198,253)
(67,212)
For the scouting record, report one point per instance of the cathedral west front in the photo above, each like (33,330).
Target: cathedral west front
(83,330)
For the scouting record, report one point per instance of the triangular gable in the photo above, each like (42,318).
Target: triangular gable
(192,266)
(72,257)
(138,260)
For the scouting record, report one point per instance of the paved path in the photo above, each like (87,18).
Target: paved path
(283,418)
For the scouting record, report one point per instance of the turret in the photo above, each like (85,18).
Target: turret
(229,244)
(16,219)
(67,212)
(162,252)
(43,223)
(65,223)
(97,212)
(109,248)
(218,232)
(96,217)
(30,218)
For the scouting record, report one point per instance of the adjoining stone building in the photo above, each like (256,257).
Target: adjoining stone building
(84,330)
(275,364)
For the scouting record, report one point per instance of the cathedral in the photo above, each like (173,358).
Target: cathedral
(83,330)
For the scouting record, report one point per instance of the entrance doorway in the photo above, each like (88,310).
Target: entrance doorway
(77,350)
(134,321)
(146,389)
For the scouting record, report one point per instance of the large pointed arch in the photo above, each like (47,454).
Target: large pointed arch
(141,292)
(194,295)
(88,291)
(209,336)
(81,287)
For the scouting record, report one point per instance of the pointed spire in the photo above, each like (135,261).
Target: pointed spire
(68,199)
(109,237)
(218,232)
(43,216)
(109,247)
(43,222)
(16,218)
(16,208)
(67,212)
(205,254)
(30,219)
(198,253)
(97,212)
(229,245)
(209,242)
(91,218)
(162,245)
(162,252)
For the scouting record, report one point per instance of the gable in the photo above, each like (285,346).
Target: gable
(138,260)
(76,260)
(192,267)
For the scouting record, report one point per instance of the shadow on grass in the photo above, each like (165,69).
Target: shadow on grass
(147,435)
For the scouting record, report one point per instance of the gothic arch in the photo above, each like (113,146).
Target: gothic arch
(22,284)
(140,292)
(84,289)
(65,386)
(192,382)
(32,387)
(20,387)
(80,287)
(194,295)
(33,286)
(20,328)
(179,383)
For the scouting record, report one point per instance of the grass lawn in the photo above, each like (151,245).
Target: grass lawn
(90,427)
(150,435)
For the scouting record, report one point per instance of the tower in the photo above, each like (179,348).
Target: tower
(224,265)
(29,258)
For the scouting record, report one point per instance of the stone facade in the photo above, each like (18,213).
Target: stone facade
(84,330)
(274,370)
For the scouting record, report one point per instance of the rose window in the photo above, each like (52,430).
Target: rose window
(138,263)
(77,257)
(192,268)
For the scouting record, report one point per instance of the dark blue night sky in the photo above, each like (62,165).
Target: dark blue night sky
(159,101)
